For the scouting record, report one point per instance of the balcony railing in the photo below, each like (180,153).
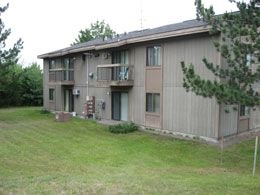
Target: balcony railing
(115,75)
(61,76)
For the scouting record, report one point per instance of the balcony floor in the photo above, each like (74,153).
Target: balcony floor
(119,83)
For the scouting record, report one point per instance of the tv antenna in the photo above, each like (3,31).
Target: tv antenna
(141,12)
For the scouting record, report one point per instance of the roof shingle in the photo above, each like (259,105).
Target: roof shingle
(127,36)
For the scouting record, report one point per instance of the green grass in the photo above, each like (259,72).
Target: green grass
(41,156)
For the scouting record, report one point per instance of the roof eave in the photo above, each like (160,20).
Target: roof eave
(182,32)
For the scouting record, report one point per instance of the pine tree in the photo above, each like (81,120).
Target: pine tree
(240,47)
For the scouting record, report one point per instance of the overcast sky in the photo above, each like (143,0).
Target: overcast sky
(48,25)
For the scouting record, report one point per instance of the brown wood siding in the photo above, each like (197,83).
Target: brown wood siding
(228,120)
(139,61)
(153,84)
(51,105)
(137,57)
(243,124)
(81,78)
(153,79)
(137,105)
(254,121)
(153,121)
(59,98)
(255,118)
(185,112)
(46,84)
(105,95)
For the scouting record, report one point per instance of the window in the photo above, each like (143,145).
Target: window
(153,102)
(120,57)
(68,63)
(68,66)
(153,56)
(52,64)
(51,94)
(244,110)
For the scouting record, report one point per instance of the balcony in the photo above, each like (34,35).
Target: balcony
(61,76)
(115,75)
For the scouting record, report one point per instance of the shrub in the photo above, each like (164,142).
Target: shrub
(123,128)
(44,111)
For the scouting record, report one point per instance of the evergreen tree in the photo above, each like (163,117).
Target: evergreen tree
(97,30)
(240,47)
(8,58)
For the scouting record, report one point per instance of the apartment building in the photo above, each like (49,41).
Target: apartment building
(137,77)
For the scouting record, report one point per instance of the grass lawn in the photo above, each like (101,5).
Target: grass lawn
(41,156)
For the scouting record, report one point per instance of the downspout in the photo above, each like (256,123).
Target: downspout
(87,82)
(87,78)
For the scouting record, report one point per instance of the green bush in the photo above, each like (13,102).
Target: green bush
(123,128)
(44,111)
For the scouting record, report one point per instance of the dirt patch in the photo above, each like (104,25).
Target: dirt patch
(212,170)
(231,140)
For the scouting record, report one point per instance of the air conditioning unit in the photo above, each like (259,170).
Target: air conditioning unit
(76,92)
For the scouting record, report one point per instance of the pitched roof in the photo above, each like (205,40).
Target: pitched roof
(171,30)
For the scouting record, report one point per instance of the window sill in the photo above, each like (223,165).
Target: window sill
(152,114)
(153,67)
(243,117)
(61,69)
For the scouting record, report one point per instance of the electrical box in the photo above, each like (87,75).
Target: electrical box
(76,91)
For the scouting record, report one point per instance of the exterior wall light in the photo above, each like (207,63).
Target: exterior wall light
(91,75)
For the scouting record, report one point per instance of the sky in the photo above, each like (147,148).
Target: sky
(49,25)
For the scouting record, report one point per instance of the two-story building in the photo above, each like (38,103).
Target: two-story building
(137,77)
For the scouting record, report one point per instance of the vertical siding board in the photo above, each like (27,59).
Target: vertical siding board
(138,106)
(101,93)
(138,91)
(228,121)
(167,97)
(46,84)
(255,118)
(190,114)
(81,77)
(59,98)
(139,66)
(182,112)
(255,113)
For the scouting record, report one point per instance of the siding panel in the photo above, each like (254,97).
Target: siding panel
(46,84)
(189,114)
(228,121)
(137,93)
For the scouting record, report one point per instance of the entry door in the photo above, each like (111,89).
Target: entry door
(116,101)
(124,106)
(68,100)
(119,106)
